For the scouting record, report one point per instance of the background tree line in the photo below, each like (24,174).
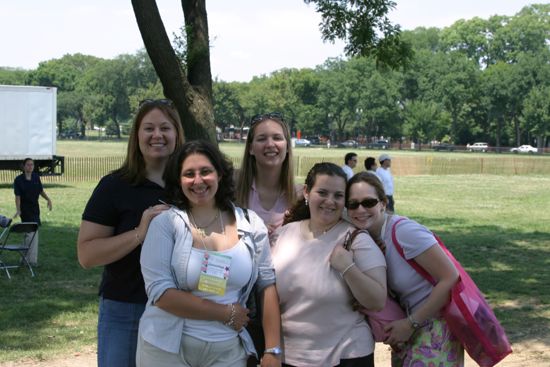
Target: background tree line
(476,80)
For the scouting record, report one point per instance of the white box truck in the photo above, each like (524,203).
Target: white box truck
(28,118)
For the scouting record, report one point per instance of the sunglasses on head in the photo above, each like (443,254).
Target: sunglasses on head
(163,101)
(266,116)
(365,203)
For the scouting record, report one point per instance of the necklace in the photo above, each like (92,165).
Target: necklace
(200,229)
(322,232)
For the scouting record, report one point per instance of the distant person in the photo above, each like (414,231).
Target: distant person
(114,224)
(350,161)
(27,188)
(328,143)
(384,174)
(370,164)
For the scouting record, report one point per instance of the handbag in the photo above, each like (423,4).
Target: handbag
(469,316)
(392,311)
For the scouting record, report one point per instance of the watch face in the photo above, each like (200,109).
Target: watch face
(274,350)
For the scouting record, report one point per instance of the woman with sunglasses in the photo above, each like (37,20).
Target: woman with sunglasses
(200,261)
(114,224)
(266,180)
(318,280)
(423,337)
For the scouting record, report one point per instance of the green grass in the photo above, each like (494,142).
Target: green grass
(496,225)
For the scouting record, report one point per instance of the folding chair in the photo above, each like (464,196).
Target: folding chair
(18,239)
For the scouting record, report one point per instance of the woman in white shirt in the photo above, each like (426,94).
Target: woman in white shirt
(200,260)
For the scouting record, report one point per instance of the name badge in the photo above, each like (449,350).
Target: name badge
(214,273)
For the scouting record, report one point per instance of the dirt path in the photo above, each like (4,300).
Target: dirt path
(526,354)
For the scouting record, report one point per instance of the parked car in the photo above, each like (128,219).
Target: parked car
(314,140)
(302,143)
(443,146)
(524,149)
(348,144)
(478,147)
(380,144)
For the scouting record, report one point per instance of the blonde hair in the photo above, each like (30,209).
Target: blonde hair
(248,172)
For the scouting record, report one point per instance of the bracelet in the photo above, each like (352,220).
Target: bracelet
(137,236)
(346,269)
(231,321)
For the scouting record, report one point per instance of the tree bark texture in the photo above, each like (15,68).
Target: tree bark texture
(191,89)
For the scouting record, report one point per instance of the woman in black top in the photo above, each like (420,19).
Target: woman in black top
(114,225)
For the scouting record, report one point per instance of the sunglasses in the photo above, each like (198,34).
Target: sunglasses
(365,203)
(266,116)
(163,101)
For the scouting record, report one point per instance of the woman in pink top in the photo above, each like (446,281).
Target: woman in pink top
(266,180)
(318,280)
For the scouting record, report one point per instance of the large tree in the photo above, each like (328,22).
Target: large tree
(361,23)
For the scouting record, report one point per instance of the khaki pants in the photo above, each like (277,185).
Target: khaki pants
(32,255)
(193,352)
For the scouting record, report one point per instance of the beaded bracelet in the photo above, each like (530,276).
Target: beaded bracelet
(231,321)
(346,269)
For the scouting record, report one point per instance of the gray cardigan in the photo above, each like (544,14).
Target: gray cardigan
(164,258)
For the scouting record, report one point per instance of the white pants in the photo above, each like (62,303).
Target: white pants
(193,353)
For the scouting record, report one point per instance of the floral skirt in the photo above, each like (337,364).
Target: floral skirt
(431,346)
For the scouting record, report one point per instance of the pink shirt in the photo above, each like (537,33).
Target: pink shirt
(319,325)
(272,217)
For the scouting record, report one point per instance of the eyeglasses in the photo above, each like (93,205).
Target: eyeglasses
(163,101)
(266,116)
(365,203)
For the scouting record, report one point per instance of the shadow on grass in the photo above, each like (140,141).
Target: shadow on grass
(510,269)
(59,306)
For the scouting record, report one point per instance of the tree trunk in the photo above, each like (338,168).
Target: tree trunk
(191,89)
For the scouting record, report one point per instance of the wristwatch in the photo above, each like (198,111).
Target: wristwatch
(277,351)
(415,324)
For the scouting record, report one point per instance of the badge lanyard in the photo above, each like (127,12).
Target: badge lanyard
(215,267)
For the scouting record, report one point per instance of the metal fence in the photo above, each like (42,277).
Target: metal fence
(93,168)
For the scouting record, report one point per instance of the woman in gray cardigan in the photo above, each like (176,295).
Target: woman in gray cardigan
(200,260)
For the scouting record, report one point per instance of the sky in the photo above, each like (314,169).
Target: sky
(248,37)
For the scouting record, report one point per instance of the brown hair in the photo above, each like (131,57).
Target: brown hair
(371,179)
(133,168)
(247,173)
(300,210)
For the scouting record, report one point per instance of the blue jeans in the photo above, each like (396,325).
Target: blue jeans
(117,331)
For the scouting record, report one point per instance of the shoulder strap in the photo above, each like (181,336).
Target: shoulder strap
(420,270)
(350,236)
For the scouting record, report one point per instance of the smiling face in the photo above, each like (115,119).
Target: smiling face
(156,136)
(269,145)
(326,200)
(199,180)
(370,219)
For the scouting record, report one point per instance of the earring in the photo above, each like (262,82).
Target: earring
(306,202)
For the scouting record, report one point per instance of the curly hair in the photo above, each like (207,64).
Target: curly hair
(300,211)
(223,166)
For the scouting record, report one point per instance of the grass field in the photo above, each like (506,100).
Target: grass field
(497,226)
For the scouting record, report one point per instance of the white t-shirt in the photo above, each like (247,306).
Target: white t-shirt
(319,324)
(410,287)
(347,169)
(240,272)
(386,178)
